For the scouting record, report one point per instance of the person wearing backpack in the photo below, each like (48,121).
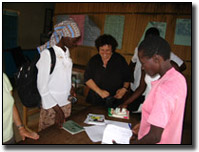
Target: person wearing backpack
(56,87)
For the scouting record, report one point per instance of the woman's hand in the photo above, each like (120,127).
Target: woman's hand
(120,93)
(59,116)
(103,94)
(25,133)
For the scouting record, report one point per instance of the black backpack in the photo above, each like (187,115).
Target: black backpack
(26,81)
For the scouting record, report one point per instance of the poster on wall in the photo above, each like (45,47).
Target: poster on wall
(161,26)
(183,32)
(114,25)
(91,32)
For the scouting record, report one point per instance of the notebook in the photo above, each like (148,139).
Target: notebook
(72,127)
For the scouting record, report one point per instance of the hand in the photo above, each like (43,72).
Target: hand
(103,94)
(25,133)
(72,92)
(120,93)
(123,106)
(59,116)
(114,142)
(135,131)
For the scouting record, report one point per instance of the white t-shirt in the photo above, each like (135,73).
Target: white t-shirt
(54,88)
(137,71)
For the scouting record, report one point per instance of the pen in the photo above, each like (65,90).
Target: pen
(130,126)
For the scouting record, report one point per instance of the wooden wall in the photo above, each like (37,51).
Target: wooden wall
(137,16)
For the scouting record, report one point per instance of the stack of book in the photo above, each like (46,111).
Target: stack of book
(118,113)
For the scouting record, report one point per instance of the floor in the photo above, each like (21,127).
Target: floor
(33,121)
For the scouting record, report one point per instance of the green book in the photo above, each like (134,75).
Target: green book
(72,127)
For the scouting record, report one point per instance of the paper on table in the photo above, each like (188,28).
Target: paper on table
(95,132)
(118,123)
(119,134)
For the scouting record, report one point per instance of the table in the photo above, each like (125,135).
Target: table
(54,135)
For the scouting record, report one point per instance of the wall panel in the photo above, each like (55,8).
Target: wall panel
(137,16)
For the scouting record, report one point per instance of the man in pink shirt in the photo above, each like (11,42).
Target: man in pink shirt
(163,109)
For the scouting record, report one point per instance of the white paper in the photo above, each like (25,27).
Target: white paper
(95,132)
(119,134)
(118,123)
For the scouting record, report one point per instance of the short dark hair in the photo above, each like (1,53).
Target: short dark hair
(155,45)
(152,31)
(106,39)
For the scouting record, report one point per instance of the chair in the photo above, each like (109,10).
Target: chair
(28,112)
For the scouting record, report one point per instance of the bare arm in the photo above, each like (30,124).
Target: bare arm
(121,92)
(22,131)
(153,137)
(132,68)
(141,88)
(175,65)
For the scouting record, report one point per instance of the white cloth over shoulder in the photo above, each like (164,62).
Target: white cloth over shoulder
(54,88)
(137,71)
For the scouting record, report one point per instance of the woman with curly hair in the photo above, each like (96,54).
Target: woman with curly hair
(107,74)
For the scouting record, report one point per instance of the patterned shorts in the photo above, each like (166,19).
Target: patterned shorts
(47,116)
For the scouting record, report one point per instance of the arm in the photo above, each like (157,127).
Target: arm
(59,117)
(177,62)
(126,78)
(141,88)
(132,68)
(72,91)
(89,75)
(183,67)
(175,65)
(22,131)
(121,92)
(91,84)
(153,137)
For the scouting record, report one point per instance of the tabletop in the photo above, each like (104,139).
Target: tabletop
(55,135)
